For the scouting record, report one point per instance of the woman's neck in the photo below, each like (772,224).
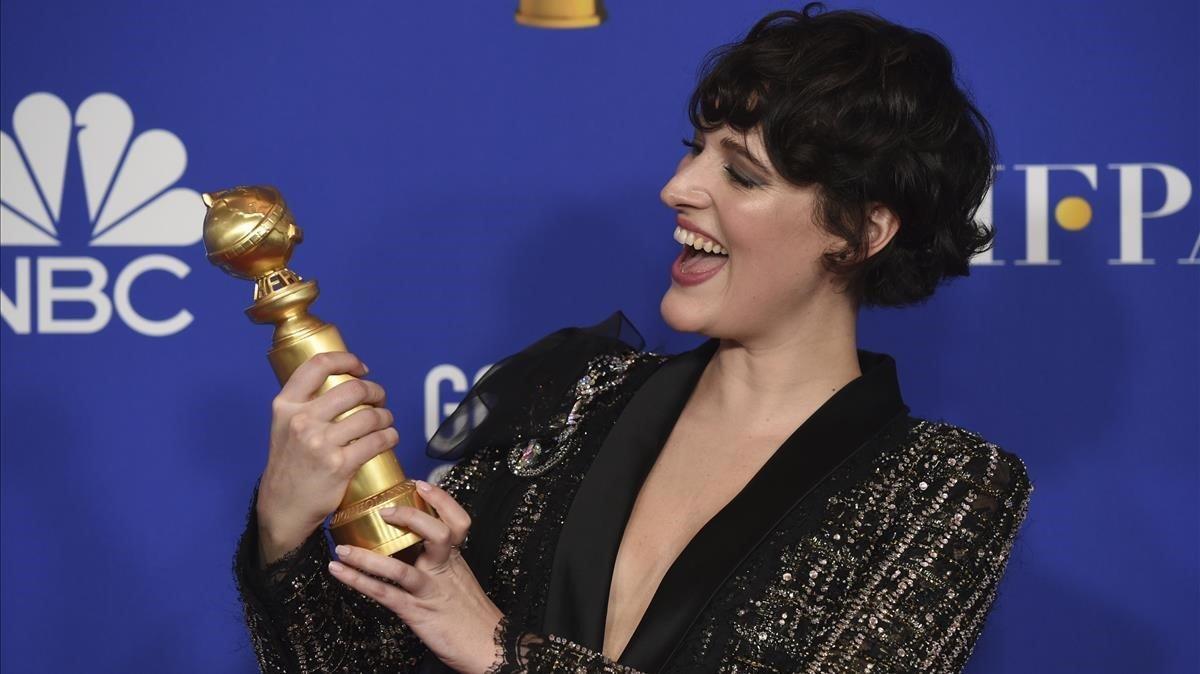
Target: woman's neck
(776,381)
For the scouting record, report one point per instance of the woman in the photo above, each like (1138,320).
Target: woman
(763,503)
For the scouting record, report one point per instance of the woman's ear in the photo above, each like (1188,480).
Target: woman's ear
(882,225)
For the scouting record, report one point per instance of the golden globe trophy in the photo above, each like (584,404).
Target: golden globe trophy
(560,13)
(249,232)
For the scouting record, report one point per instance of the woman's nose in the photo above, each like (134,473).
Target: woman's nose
(684,188)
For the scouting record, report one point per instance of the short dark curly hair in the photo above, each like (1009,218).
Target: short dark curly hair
(868,111)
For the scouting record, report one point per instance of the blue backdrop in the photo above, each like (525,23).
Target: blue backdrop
(467,185)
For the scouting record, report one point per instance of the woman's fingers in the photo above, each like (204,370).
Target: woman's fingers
(308,377)
(367,447)
(360,423)
(355,561)
(448,510)
(438,536)
(345,397)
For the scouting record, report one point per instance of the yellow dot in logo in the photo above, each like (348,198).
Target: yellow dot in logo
(1073,213)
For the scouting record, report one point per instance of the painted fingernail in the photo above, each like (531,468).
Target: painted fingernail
(342,550)
(423,486)
(336,566)
(388,511)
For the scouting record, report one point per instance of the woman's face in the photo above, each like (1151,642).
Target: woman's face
(771,277)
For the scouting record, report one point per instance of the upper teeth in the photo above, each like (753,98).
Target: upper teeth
(690,238)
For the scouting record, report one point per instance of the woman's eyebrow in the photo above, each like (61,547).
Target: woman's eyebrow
(732,144)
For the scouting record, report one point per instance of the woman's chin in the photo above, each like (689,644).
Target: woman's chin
(684,314)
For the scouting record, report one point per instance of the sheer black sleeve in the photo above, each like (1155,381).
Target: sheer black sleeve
(533,653)
(302,619)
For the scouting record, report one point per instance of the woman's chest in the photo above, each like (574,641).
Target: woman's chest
(697,473)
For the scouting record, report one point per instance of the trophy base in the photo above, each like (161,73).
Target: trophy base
(361,525)
(560,13)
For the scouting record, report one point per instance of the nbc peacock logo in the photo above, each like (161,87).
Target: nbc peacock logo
(131,201)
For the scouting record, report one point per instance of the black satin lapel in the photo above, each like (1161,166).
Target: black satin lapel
(831,434)
(577,600)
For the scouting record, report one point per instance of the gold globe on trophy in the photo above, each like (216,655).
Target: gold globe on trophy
(249,232)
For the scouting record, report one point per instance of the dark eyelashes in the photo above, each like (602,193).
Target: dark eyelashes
(737,178)
(734,176)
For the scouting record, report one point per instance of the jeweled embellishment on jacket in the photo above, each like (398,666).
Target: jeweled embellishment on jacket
(524,461)
(548,445)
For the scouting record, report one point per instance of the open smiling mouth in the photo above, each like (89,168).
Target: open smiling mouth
(700,258)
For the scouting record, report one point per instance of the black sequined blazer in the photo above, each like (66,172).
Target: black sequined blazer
(870,541)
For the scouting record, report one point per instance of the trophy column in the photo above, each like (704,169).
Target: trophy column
(250,234)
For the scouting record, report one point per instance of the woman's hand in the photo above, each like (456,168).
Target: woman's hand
(438,595)
(312,458)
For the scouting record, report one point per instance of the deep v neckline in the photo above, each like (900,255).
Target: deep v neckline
(577,600)
(773,446)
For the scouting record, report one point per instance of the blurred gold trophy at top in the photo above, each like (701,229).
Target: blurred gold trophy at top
(249,232)
(560,13)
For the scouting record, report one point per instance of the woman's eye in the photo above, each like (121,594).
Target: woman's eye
(737,177)
(734,176)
